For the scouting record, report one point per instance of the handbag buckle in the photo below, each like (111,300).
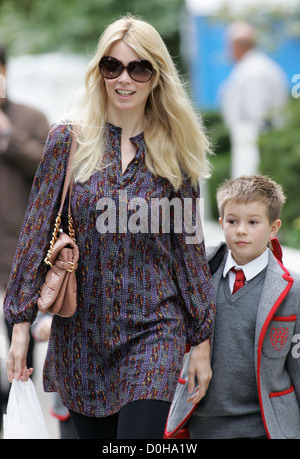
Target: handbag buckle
(72,266)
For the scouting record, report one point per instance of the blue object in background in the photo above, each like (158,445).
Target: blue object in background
(210,62)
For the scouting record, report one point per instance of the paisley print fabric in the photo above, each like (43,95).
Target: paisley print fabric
(141,294)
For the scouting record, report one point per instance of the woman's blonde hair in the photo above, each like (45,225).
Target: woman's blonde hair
(174,134)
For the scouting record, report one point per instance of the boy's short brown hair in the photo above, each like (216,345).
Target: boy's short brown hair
(252,188)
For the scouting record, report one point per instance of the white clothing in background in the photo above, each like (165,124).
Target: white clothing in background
(251,101)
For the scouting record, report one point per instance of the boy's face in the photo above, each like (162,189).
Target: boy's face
(247,230)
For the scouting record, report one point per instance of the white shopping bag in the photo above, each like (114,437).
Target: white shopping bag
(24,418)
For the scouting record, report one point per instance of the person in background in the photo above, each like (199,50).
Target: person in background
(143,293)
(23,133)
(252,98)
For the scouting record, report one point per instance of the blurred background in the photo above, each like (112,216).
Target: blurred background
(49,43)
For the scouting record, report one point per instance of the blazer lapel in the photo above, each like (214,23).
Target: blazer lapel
(276,281)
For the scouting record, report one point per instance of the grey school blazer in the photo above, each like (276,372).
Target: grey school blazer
(277,353)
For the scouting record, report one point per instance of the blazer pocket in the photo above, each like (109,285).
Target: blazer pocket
(278,337)
(286,410)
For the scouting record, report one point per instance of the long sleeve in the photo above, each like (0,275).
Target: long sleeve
(29,270)
(191,270)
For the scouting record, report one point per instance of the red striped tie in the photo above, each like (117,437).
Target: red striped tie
(239,279)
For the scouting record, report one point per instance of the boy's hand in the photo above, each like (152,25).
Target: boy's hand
(199,365)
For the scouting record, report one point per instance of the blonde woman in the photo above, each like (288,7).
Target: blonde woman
(144,290)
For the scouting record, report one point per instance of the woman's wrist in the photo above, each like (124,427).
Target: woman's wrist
(21,327)
(204,346)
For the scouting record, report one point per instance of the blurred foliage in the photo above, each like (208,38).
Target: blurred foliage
(37,26)
(280,160)
(220,144)
(283,19)
(273,23)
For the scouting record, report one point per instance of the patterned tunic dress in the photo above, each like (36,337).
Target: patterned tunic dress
(141,294)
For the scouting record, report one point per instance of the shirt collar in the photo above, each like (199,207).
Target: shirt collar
(250,269)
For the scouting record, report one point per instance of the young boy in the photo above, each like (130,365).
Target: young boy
(255,387)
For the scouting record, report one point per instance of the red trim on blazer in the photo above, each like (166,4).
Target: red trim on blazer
(283,392)
(60,417)
(292,318)
(179,432)
(276,305)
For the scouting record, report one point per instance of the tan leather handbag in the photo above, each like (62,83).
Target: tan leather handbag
(58,294)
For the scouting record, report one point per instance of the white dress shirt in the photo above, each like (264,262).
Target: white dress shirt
(250,269)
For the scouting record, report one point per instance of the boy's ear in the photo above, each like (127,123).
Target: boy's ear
(275,227)
(221,222)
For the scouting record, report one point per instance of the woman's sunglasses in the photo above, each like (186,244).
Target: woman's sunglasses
(140,70)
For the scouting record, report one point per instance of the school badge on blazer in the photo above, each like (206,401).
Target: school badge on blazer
(279,337)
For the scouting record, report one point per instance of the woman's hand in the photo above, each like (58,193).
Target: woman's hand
(17,354)
(199,365)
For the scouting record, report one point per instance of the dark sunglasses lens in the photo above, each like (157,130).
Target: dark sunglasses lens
(141,71)
(110,68)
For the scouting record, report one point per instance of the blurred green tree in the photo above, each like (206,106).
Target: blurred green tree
(35,26)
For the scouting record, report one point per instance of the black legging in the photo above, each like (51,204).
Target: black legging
(143,419)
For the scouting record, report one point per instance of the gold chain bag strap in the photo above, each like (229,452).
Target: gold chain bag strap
(59,292)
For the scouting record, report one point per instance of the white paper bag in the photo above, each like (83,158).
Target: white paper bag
(24,418)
